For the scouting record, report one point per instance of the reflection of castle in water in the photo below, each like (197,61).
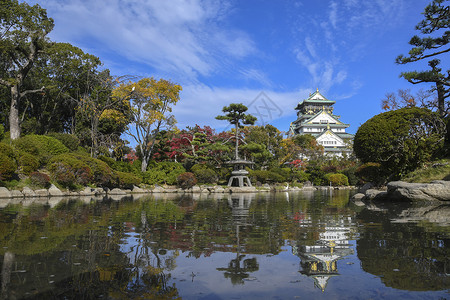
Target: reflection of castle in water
(319,261)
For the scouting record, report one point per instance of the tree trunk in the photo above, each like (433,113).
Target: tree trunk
(441,99)
(236,150)
(14,122)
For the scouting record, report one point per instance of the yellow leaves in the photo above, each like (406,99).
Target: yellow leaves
(114,115)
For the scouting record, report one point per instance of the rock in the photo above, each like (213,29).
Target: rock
(196,189)
(87,192)
(41,193)
(117,192)
(371,194)
(158,189)
(27,192)
(5,193)
(16,194)
(53,191)
(137,190)
(436,190)
(219,189)
(358,196)
(366,187)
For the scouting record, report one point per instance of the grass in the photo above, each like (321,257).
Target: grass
(436,170)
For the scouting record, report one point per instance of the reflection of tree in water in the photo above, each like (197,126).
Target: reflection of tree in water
(239,267)
(236,273)
(409,256)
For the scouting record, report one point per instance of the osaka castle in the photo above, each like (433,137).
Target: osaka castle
(315,116)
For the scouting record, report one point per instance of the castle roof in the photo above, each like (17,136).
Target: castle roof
(316,98)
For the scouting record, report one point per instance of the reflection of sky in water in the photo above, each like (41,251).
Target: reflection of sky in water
(295,227)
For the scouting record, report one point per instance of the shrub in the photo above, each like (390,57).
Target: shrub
(163,172)
(40,179)
(69,140)
(41,146)
(265,176)
(400,140)
(69,171)
(186,180)
(370,172)
(2,132)
(351,175)
(337,179)
(299,175)
(27,162)
(127,180)
(7,150)
(103,175)
(204,173)
(8,166)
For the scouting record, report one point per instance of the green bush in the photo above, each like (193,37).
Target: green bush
(337,179)
(40,179)
(69,171)
(265,176)
(299,175)
(7,150)
(127,180)
(27,162)
(41,146)
(163,172)
(102,173)
(351,175)
(186,180)
(400,140)
(8,167)
(204,173)
(69,140)
(371,172)
(2,132)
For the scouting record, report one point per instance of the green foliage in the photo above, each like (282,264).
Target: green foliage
(41,146)
(351,175)
(370,172)
(40,179)
(69,171)
(436,170)
(68,140)
(2,132)
(337,179)
(103,174)
(7,150)
(299,175)
(127,180)
(266,176)
(186,180)
(316,174)
(401,140)
(163,172)
(27,162)
(204,173)
(121,166)
(8,166)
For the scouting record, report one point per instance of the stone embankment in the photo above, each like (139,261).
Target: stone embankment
(438,190)
(53,191)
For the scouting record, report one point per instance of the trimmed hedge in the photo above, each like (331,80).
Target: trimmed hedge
(71,141)
(337,179)
(27,162)
(41,146)
(8,167)
(186,180)
(40,179)
(163,172)
(127,180)
(69,171)
(204,173)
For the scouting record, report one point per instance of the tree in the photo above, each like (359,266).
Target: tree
(235,114)
(401,140)
(151,103)
(23,31)
(434,43)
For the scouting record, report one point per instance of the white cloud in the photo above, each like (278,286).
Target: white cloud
(181,37)
(205,103)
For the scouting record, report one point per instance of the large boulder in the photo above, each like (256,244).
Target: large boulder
(5,193)
(53,191)
(436,190)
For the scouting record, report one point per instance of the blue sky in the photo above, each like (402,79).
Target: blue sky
(268,55)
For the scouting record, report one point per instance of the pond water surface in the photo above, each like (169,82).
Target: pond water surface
(295,245)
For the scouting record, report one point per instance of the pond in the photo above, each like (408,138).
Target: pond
(293,245)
